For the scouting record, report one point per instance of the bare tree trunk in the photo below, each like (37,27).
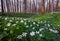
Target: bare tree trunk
(43,6)
(20,6)
(34,6)
(11,6)
(30,6)
(17,5)
(2,7)
(49,6)
(14,10)
(52,7)
(25,5)
(56,5)
(7,3)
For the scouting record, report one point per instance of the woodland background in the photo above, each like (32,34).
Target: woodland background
(30,6)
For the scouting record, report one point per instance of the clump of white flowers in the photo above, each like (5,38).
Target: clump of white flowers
(5,28)
(34,23)
(33,28)
(27,26)
(14,25)
(41,21)
(37,24)
(48,25)
(19,37)
(12,18)
(25,19)
(40,35)
(55,31)
(22,21)
(41,29)
(24,34)
(32,33)
(28,20)
(17,21)
(10,21)
(25,23)
(18,18)
(58,25)
(31,25)
(6,18)
(37,32)
(11,32)
(8,24)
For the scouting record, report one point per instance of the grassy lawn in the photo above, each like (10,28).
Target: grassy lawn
(30,27)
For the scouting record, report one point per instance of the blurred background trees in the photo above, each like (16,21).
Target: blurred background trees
(30,6)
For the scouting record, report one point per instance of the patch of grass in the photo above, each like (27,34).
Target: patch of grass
(16,14)
(53,18)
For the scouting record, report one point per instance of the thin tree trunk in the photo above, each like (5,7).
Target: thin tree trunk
(43,6)
(7,3)
(2,7)
(17,6)
(52,7)
(34,6)
(56,5)
(20,6)
(30,6)
(25,5)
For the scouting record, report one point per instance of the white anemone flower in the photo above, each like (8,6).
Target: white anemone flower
(6,18)
(5,29)
(25,19)
(31,25)
(41,29)
(48,25)
(22,21)
(9,24)
(33,28)
(11,32)
(19,37)
(24,34)
(32,33)
(10,20)
(14,25)
(17,21)
(54,31)
(41,21)
(40,35)
(27,26)
(58,25)
(28,20)
(37,32)
(51,30)
(34,23)
(18,18)
(37,24)
(25,23)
